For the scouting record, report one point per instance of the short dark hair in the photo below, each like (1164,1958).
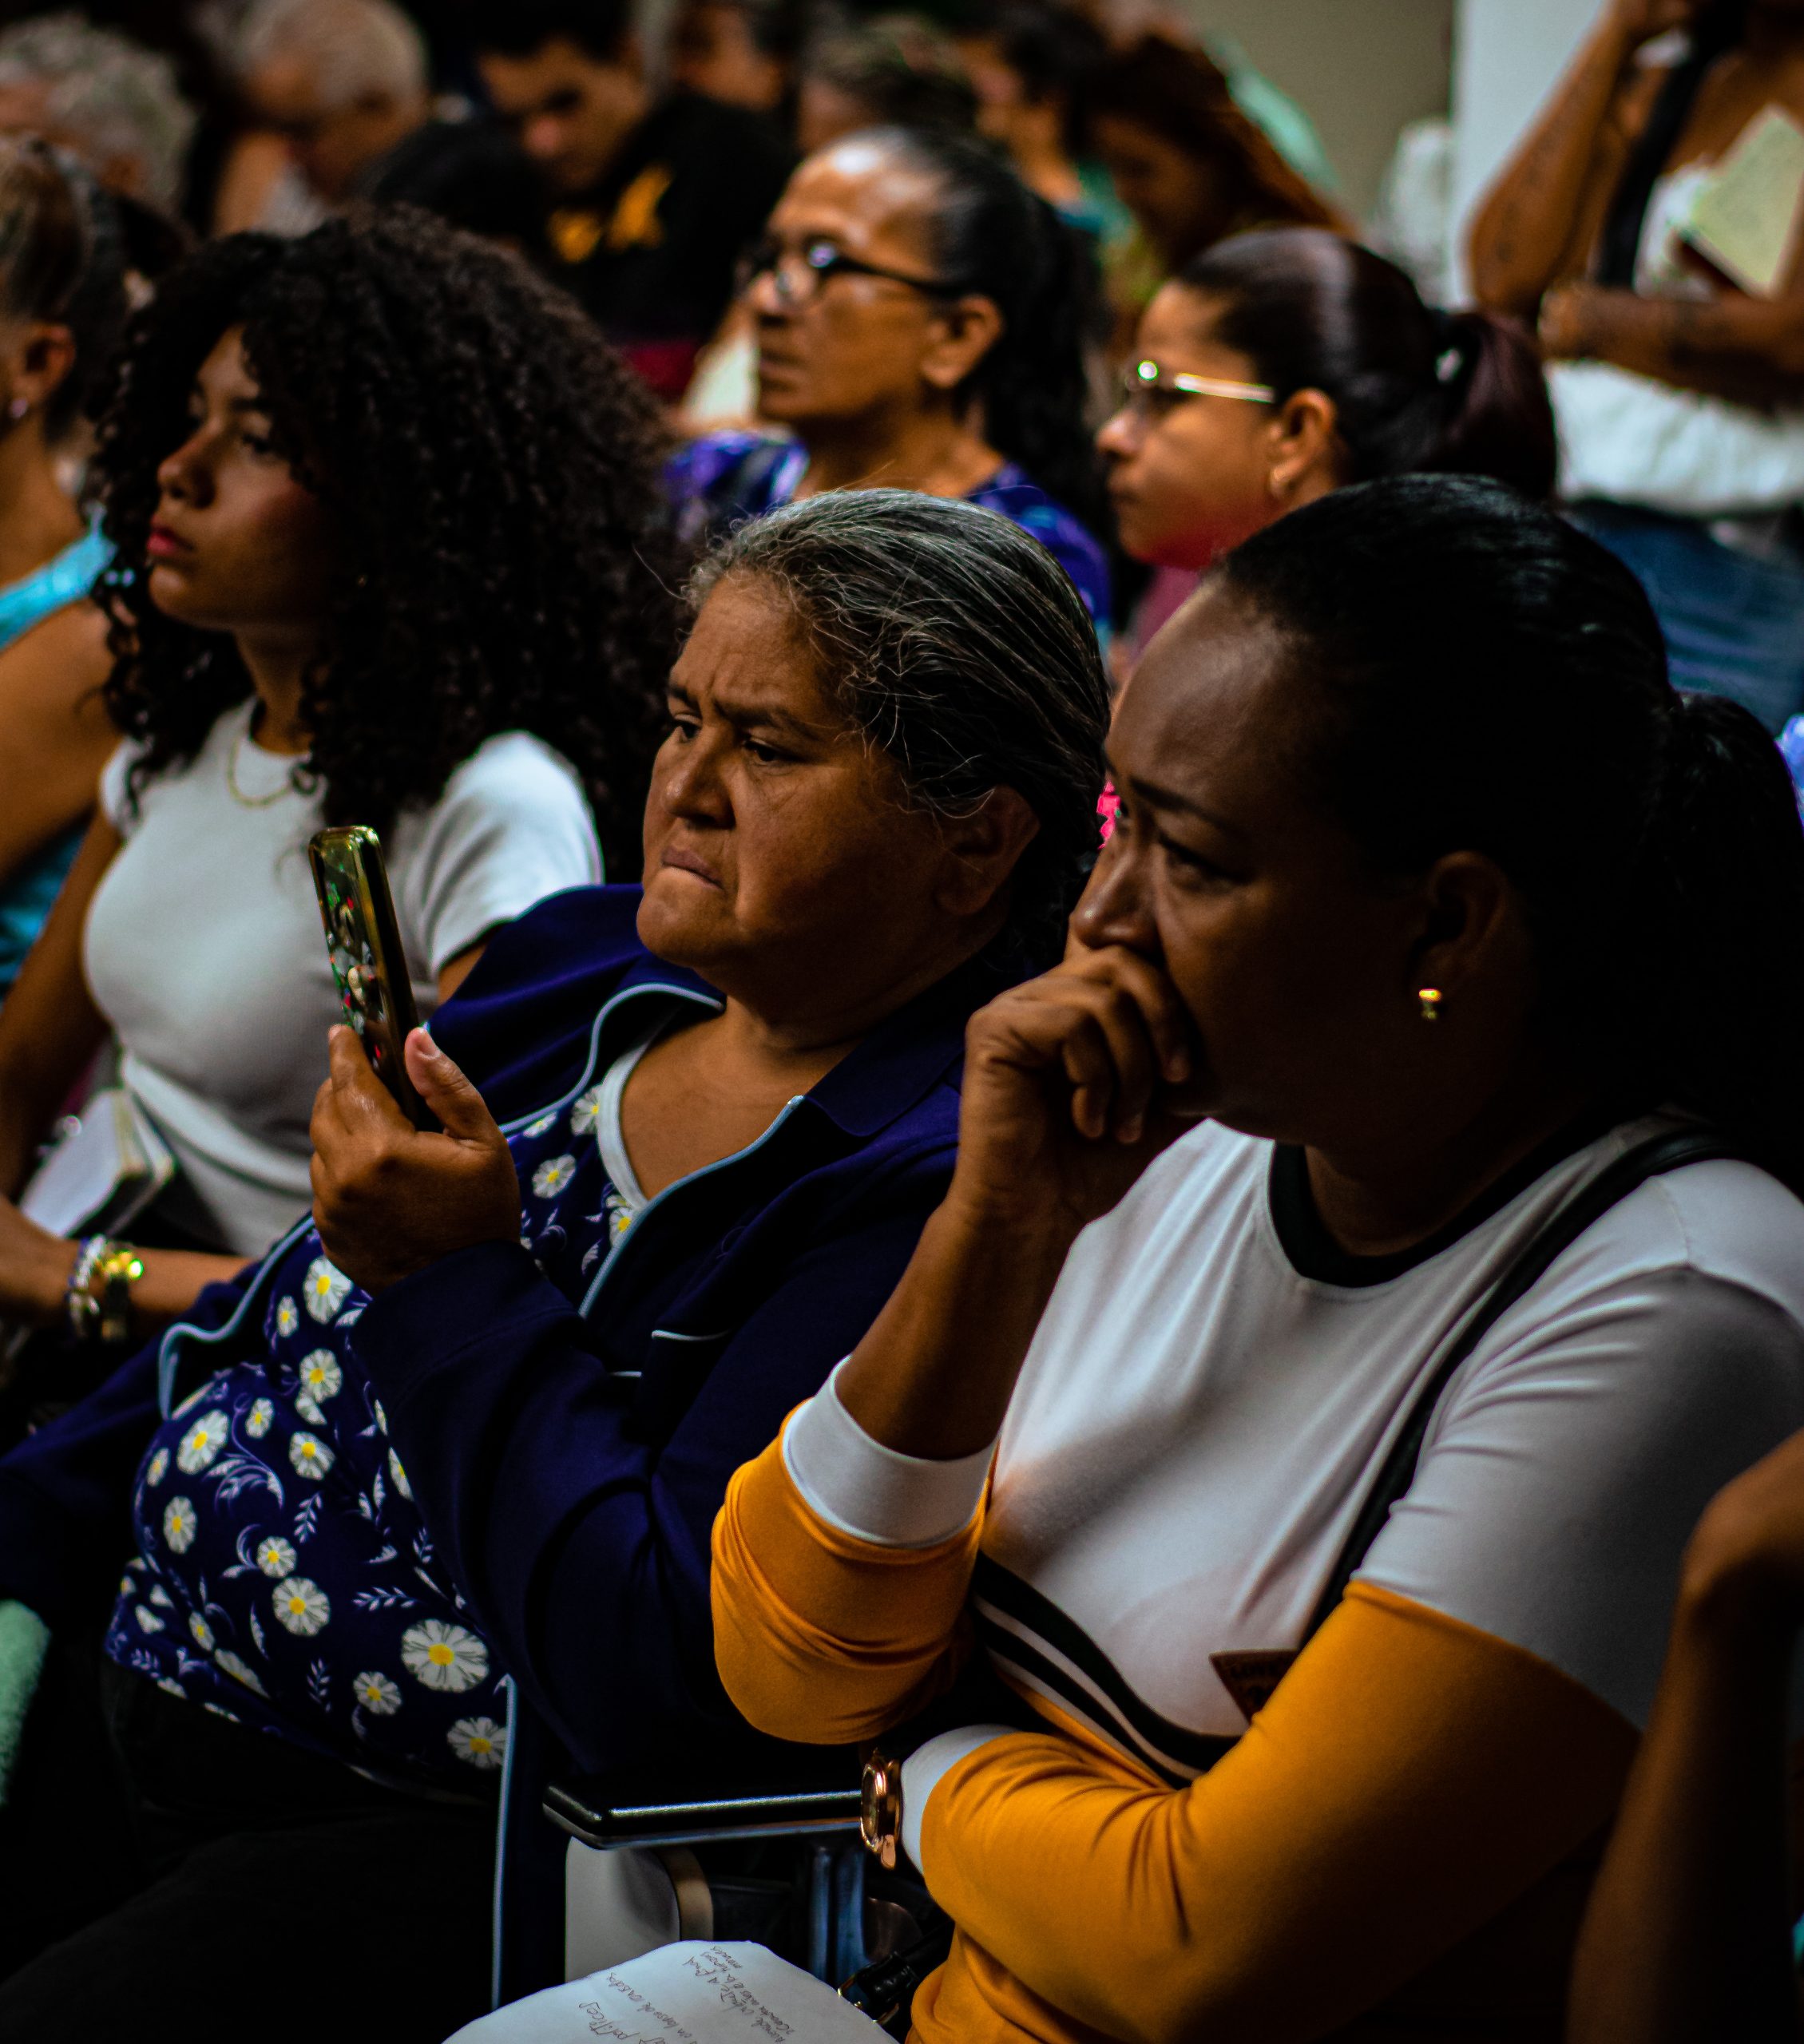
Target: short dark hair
(522,28)
(963,653)
(1414,387)
(1485,678)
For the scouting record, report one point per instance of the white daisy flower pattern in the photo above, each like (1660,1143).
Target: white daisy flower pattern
(542,1126)
(377,1694)
(553,1175)
(320,1376)
(444,1657)
(287,1316)
(311,1456)
(398,1475)
(327,1288)
(301,1606)
(480,1740)
(159,1467)
(239,1671)
(275,1556)
(147,1620)
(202,1631)
(586,1112)
(201,1444)
(257,1421)
(179,1524)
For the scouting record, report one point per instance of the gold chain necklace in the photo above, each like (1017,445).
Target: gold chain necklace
(238,795)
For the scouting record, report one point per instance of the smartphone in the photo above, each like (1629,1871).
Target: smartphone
(364,945)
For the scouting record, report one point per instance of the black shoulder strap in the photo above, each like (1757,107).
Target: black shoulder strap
(1658,1154)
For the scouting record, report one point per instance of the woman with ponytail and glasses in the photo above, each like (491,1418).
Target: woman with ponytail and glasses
(918,317)
(1283,364)
(1674,328)
(1251,1527)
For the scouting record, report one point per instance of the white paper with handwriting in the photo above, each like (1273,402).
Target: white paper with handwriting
(682,1994)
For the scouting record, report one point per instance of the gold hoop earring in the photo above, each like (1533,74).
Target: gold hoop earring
(1430,999)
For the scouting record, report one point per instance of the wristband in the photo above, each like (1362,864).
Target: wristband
(81,1308)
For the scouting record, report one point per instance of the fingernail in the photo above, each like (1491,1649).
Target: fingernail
(1130,1130)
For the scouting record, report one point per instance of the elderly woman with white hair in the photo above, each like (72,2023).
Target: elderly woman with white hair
(105,99)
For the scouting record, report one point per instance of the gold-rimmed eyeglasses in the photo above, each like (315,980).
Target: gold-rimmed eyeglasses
(1151,392)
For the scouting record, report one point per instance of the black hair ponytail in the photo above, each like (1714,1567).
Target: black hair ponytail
(1414,388)
(1717,942)
(994,237)
(1486,678)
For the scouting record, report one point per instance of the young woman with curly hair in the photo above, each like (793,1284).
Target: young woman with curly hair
(384,511)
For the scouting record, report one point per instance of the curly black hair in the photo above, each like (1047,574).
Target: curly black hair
(490,467)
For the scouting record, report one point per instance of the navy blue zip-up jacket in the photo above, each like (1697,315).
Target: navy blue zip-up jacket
(569,1458)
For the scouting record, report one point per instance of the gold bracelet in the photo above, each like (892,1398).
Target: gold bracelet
(880,1814)
(119,1269)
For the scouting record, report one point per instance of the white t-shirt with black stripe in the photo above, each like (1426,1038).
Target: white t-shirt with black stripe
(1198,1423)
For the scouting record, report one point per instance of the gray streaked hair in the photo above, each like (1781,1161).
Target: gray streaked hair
(352,47)
(961,651)
(108,96)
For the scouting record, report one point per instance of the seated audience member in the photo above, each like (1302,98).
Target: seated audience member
(478,1423)
(1282,365)
(62,309)
(742,53)
(654,198)
(108,102)
(897,71)
(1433,899)
(386,524)
(918,323)
(1190,166)
(1030,62)
(1671,308)
(344,83)
(1689,1937)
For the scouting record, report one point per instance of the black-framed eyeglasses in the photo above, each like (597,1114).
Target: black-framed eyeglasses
(1151,392)
(800,274)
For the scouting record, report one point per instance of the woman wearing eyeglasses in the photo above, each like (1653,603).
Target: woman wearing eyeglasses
(918,316)
(1281,365)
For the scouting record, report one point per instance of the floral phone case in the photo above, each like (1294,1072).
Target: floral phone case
(364,945)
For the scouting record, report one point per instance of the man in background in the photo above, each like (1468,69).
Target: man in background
(653,198)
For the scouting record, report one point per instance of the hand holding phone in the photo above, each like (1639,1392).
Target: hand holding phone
(364,945)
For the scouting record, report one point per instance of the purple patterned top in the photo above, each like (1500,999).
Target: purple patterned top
(715,483)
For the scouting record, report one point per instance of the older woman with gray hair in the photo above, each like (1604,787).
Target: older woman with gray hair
(475,1422)
(107,101)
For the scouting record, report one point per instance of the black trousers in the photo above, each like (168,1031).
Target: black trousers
(165,1873)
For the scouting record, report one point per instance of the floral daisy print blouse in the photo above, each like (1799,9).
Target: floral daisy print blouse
(284,1576)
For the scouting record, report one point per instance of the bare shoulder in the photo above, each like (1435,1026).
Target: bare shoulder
(55,668)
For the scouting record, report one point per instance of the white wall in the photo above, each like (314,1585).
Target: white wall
(1360,68)
(1506,56)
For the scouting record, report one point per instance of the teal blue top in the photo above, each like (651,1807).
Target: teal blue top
(26,899)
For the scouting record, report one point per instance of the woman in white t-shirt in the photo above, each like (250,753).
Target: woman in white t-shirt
(1430,902)
(385,527)
(1673,345)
